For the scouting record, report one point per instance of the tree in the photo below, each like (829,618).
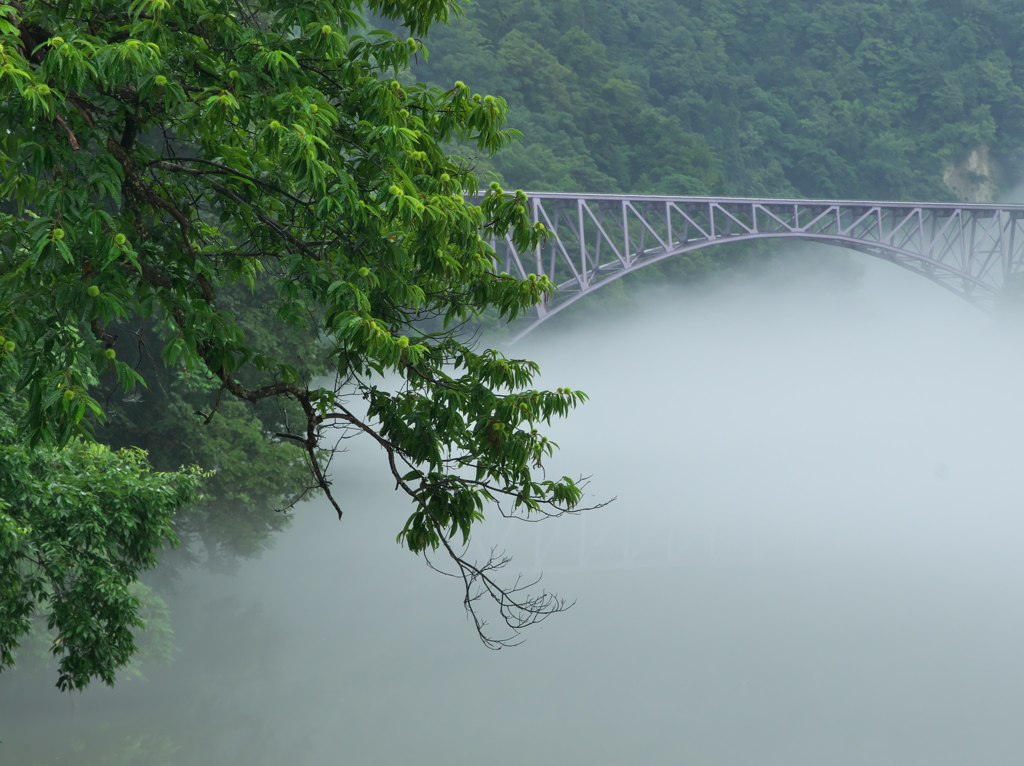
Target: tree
(252,477)
(77,526)
(156,156)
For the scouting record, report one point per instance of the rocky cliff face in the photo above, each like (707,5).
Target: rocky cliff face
(975,179)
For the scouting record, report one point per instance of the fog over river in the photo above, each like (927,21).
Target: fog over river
(814,559)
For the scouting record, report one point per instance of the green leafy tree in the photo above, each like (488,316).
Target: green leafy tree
(77,526)
(155,157)
(252,476)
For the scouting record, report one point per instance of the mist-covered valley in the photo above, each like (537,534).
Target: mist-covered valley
(812,557)
(803,463)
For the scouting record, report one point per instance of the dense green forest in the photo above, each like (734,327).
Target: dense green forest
(836,99)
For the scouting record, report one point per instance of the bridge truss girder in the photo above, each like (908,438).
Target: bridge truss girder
(972,250)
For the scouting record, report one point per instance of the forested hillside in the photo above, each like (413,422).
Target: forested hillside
(841,98)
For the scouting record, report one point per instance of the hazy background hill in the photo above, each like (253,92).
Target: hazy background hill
(896,99)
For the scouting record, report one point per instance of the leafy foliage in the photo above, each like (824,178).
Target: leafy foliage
(157,158)
(77,526)
(251,475)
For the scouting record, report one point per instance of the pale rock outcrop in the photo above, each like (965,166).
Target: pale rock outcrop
(975,179)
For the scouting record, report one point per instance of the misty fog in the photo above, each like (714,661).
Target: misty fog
(813,557)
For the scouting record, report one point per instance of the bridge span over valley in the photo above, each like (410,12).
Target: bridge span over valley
(973,250)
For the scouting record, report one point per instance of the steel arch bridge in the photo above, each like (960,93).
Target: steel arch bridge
(970,249)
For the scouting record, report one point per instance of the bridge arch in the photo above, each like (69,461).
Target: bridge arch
(970,249)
